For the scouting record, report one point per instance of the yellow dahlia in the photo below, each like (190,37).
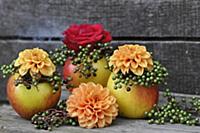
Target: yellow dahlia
(93,105)
(35,61)
(134,58)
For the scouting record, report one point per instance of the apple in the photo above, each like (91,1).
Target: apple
(27,102)
(137,101)
(101,77)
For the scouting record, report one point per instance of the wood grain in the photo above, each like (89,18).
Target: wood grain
(124,18)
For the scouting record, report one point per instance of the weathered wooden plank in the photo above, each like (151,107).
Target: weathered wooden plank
(10,122)
(130,18)
(181,58)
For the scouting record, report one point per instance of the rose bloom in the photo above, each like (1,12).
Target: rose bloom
(35,61)
(81,35)
(134,58)
(93,105)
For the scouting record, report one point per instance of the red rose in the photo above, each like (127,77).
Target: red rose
(81,35)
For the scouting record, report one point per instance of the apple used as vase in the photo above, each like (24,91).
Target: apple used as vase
(27,102)
(102,74)
(134,101)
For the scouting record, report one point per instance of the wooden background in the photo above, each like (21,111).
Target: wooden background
(170,28)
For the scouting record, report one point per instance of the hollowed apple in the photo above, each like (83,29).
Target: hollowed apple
(101,77)
(27,102)
(135,100)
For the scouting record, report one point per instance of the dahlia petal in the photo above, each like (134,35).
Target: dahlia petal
(139,71)
(47,62)
(83,124)
(149,67)
(22,71)
(101,123)
(138,58)
(17,62)
(150,61)
(73,114)
(107,113)
(90,124)
(47,71)
(94,119)
(100,115)
(115,70)
(88,111)
(127,63)
(108,120)
(146,55)
(143,63)
(105,106)
(134,64)
(124,70)
(34,69)
(40,65)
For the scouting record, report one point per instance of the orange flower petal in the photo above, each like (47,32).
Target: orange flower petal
(17,62)
(23,71)
(143,64)
(101,123)
(93,107)
(47,71)
(131,57)
(36,60)
(139,71)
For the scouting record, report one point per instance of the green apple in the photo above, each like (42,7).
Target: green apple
(101,77)
(137,101)
(27,102)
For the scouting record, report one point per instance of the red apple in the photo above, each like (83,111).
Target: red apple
(101,77)
(27,102)
(137,101)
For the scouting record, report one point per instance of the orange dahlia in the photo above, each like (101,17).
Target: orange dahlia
(35,61)
(93,105)
(134,58)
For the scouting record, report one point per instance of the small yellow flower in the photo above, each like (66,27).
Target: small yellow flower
(134,58)
(35,61)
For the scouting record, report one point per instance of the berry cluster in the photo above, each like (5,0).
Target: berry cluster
(51,118)
(156,76)
(60,55)
(171,112)
(88,55)
(56,81)
(195,103)
(67,83)
(8,69)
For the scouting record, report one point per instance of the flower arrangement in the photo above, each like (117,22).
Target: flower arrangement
(133,64)
(104,83)
(33,66)
(33,75)
(84,54)
(134,80)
